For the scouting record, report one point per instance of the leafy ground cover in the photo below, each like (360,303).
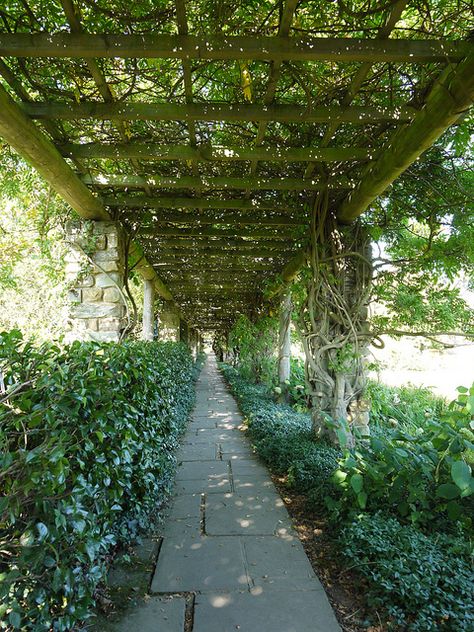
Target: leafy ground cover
(400,505)
(87,435)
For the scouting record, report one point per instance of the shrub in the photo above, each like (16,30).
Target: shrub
(409,406)
(423,476)
(87,438)
(423,582)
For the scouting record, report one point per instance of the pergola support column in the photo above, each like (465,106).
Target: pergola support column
(284,344)
(148,309)
(170,323)
(95,269)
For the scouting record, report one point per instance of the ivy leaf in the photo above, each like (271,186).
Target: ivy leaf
(448,491)
(357,483)
(362,500)
(461,475)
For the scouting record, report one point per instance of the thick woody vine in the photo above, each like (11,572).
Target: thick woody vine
(332,322)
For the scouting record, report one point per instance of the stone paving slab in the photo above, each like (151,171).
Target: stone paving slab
(245,514)
(163,614)
(216,485)
(265,611)
(206,564)
(203,453)
(197,470)
(271,558)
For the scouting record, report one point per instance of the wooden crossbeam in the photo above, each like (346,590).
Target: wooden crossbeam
(152,151)
(211,112)
(222,249)
(195,202)
(170,264)
(200,242)
(129,181)
(253,233)
(224,218)
(146,45)
(451,95)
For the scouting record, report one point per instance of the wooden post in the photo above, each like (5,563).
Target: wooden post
(284,344)
(148,304)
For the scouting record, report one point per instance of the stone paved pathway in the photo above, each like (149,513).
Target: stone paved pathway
(229,554)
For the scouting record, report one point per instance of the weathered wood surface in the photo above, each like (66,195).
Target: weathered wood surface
(70,45)
(152,151)
(216,112)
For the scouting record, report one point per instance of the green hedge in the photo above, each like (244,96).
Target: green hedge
(87,439)
(421,578)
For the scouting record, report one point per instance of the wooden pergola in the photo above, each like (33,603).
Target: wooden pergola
(209,147)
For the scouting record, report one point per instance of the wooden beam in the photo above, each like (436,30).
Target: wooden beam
(451,96)
(200,242)
(149,221)
(195,202)
(150,151)
(216,112)
(145,45)
(129,181)
(22,134)
(209,249)
(253,233)
(288,273)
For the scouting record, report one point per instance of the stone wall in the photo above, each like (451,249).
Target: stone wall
(95,269)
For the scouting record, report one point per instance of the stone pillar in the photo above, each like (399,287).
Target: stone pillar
(184,332)
(148,307)
(95,269)
(193,342)
(170,322)
(284,342)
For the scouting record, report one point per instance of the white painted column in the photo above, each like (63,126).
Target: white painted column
(284,342)
(148,309)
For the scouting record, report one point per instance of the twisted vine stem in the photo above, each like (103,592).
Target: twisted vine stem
(332,322)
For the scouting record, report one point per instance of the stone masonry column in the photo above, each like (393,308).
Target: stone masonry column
(170,322)
(148,306)
(95,269)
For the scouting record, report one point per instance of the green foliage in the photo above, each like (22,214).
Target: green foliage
(423,582)
(423,476)
(32,251)
(87,434)
(424,227)
(407,406)
(254,344)
(297,395)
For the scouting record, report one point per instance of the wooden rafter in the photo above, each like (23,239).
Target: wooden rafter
(205,153)
(129,181)
(195,202)
(210,112)
(215,47)
(231,219)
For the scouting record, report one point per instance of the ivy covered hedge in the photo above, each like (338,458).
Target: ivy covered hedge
(401,505)
(87,435)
